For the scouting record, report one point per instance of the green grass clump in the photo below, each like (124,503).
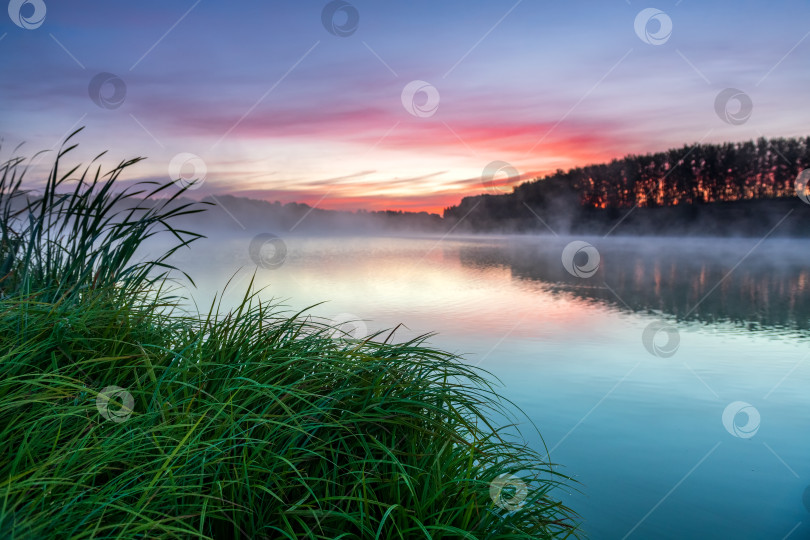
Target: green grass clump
(245,424)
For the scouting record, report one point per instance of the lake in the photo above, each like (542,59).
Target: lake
(670,379)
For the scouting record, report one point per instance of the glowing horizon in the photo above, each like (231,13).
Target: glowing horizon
(305,103)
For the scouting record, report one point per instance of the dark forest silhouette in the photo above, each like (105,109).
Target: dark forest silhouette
(710,186)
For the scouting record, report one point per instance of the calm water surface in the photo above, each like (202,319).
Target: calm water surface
(642,433)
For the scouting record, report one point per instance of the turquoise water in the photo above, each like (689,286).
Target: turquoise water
(640,424)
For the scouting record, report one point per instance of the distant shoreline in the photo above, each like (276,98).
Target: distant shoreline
(784,217)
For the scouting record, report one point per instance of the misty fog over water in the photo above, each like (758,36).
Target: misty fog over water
(631,370)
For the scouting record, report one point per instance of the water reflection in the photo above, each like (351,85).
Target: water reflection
(573,356)
(752,284)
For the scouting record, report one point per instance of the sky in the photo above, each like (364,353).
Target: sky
(404,105)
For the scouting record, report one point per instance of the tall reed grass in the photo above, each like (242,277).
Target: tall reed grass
(121,417)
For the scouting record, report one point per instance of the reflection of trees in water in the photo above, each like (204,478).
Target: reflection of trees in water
(769,289)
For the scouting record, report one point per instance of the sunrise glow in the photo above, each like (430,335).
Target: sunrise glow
(279,108)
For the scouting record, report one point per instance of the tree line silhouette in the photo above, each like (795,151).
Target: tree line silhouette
(765,169)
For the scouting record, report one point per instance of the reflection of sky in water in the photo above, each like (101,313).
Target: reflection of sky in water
(628,425)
